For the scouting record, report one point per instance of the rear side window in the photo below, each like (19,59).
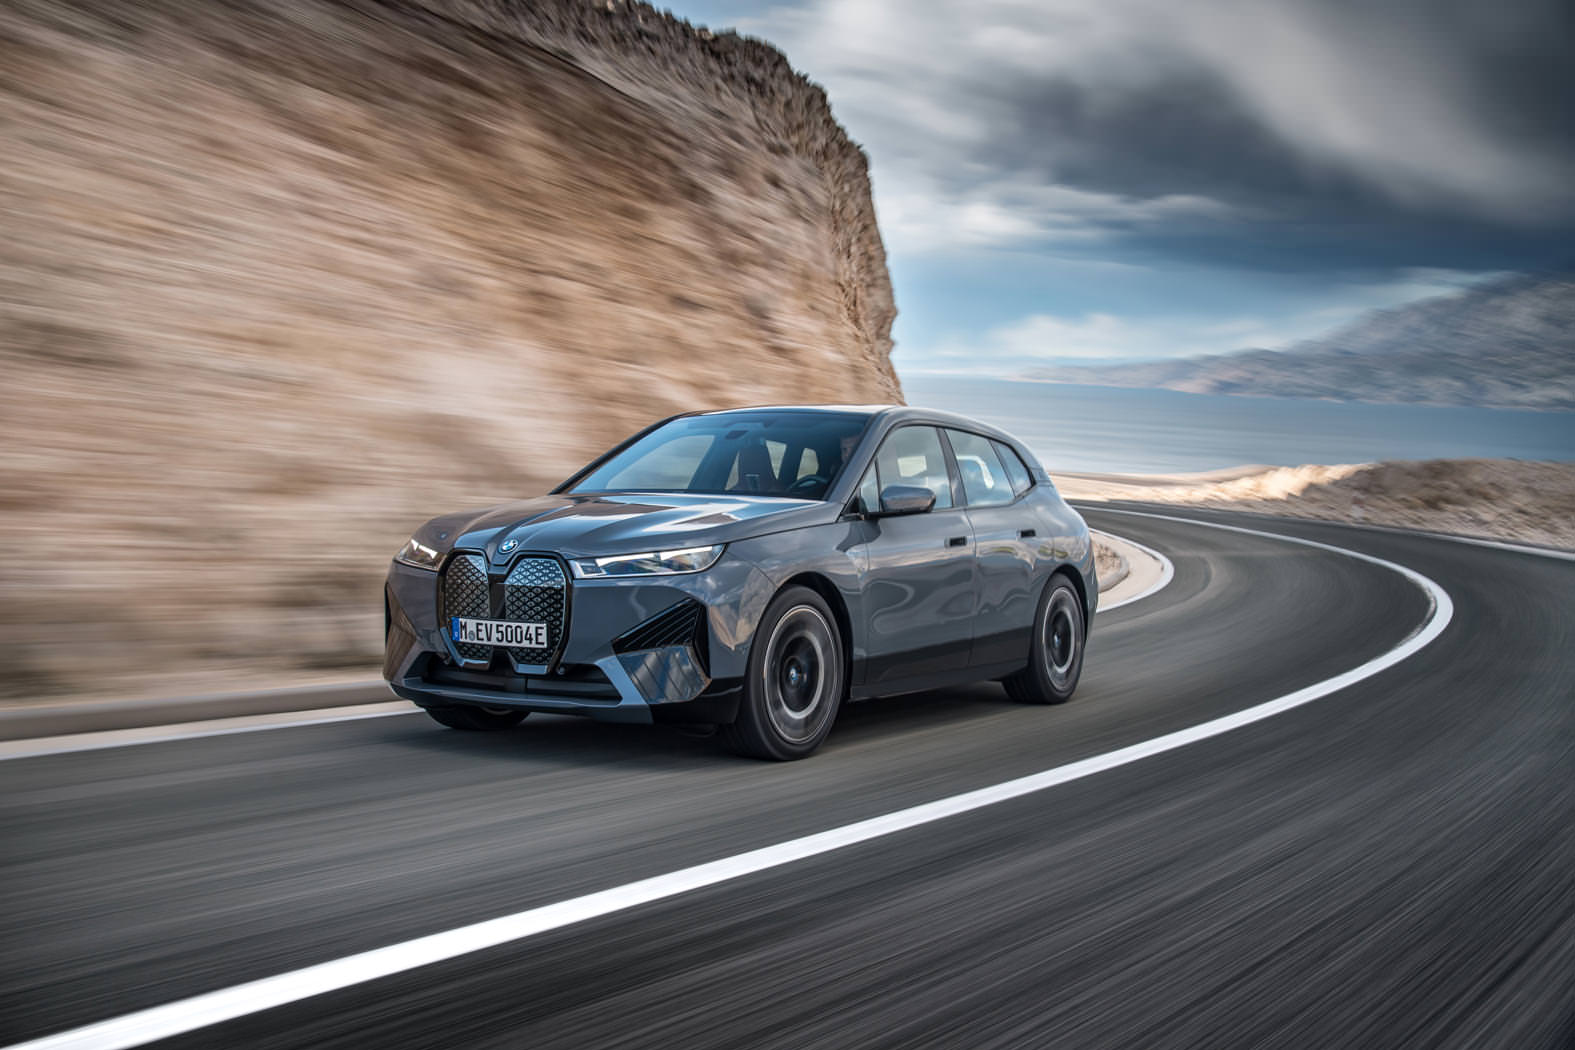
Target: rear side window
(984,477)
(913,456)
(1016,473)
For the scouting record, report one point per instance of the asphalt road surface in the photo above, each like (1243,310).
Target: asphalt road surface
(1392,865)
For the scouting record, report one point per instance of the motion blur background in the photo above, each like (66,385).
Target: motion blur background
(282,279)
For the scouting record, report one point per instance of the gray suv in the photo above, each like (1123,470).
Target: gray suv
(750,569)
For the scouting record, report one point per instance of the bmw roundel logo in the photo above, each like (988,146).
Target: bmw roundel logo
(508,545)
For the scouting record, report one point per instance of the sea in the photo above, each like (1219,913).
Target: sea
(1101,429)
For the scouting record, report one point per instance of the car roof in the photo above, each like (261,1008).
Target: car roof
(893,414)
(866,410)
(903,412)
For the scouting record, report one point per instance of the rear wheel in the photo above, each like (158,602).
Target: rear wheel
(477,719)
(1055,655)
(794,684)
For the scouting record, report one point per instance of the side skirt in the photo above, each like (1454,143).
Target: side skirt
(936,680)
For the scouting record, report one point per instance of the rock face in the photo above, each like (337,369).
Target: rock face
(1506,344)
(280,279)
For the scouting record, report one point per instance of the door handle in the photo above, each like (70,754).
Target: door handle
(957,541)
(1026,534)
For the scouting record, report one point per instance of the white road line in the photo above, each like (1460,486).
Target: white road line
(1517,548)
(1475,541)
(186,1015)
(1167,572)
(1365,526)
(61,745)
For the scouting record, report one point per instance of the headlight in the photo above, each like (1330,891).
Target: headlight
(419,555)
(650,563)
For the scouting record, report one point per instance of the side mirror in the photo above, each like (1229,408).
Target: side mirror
(904,499)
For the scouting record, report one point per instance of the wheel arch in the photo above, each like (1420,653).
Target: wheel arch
(1078,584)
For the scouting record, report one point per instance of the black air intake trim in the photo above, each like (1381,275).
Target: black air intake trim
(681,624)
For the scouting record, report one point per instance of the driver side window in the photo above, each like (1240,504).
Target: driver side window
(912,456)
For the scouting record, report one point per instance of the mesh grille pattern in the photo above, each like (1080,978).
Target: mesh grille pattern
(533,593)
(465,594)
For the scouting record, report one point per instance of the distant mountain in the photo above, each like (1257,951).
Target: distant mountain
(1507,344)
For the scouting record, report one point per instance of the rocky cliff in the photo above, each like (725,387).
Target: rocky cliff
(282,278)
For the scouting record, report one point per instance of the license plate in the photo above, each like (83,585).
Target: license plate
(499,632)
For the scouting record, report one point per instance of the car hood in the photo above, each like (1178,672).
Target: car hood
(621,523)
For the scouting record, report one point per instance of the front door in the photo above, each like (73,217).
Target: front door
(920,578)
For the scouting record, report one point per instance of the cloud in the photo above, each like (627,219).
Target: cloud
(920,215)
(1103,337)
(1407,97)
(1344,125)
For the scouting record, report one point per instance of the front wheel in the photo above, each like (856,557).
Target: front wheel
(794,684)
(1055,655)
(477,719)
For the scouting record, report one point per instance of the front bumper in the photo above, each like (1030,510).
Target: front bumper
(634,649)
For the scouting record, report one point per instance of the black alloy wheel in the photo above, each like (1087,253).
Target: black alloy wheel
(795,681)
(1055,653)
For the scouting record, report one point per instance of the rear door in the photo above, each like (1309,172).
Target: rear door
(1005,544)
(919,583)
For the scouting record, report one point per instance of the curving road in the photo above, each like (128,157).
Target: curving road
(1391,865)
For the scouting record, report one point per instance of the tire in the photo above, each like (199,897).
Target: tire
(793,687)
(1055,654)
(477,719)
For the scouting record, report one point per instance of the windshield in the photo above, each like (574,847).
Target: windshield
(794,454)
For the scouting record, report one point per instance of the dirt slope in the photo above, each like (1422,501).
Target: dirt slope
(281,279)
(1500,499)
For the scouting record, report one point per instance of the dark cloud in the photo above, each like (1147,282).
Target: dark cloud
(1185,135)
(1517,57)
(1306,133)
(1189,127)
(1373,248)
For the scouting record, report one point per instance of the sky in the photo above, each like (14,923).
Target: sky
(1103,180)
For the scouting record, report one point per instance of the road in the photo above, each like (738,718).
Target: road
(1391,865)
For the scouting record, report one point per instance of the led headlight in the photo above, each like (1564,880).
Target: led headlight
(418,555)
(649,563)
